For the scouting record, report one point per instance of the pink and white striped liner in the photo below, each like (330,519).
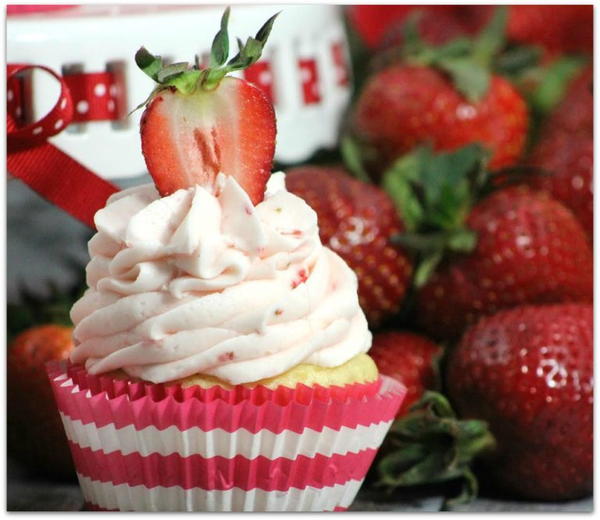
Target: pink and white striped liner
(145,447)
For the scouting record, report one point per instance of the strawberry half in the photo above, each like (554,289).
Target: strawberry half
(199,122)
(189,139)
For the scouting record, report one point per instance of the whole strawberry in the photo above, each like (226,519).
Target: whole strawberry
(404,106)
(444,96)
(481,243)
(34,429)
(409,358)
(356,220)
(565,151)
(529,249)
(528,372)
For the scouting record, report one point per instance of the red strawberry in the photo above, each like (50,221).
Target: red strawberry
(530,249)
(404,106)
(569,159)
(356,220)
(557,28)
(575,113)
(372,22)
(198,122)
(445,96)
(410,359)
(566,151)
(436,25)
(528,372)
(35,432)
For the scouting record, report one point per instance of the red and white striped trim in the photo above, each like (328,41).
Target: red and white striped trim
(221,473)
(139,498)
(82,404)
(150,440)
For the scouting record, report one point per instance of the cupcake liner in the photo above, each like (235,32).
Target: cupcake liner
(147,447)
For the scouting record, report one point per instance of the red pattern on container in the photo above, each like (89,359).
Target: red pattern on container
(261,75)
(309,78)
(340,62)
(89,506)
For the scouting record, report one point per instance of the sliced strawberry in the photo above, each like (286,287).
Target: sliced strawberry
(199,122)
(188,139)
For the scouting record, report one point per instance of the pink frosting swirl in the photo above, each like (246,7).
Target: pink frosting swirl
(202,283)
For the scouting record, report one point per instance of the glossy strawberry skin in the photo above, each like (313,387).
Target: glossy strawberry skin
(409,358)
(356,220)
(557,28)
(436,26)
(575,113)
(189,139)
(528,372)
(530,249)
(404,106)
(34,429)
(372,22)
(565,151)
(569,161)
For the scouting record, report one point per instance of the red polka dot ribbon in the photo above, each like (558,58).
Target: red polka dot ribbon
(42,166)
(97,96)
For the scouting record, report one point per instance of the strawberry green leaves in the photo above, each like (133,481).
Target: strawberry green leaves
(188,78)
(430,444)
(492,39)
(248,53)
(219,51)
(467,61)
(436,191)
(150,64)
(434,194)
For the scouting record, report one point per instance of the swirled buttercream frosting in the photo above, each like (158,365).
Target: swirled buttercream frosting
(203,282)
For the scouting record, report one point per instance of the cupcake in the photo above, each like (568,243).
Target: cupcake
(220,360)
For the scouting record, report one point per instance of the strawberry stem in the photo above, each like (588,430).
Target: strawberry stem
(434,194)
(188,78)
(468,61)
(430,444)
(352,157)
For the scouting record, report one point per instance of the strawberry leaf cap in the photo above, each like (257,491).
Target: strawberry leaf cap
(468,61)
(187,78)
(430,444)
(434,194)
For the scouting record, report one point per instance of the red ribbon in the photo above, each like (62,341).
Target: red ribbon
(57,177)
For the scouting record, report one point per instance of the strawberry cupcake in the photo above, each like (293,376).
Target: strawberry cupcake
(220,360)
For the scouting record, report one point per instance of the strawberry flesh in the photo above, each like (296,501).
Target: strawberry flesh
(189,139)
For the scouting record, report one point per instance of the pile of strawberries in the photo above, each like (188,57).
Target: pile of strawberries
(465,207)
